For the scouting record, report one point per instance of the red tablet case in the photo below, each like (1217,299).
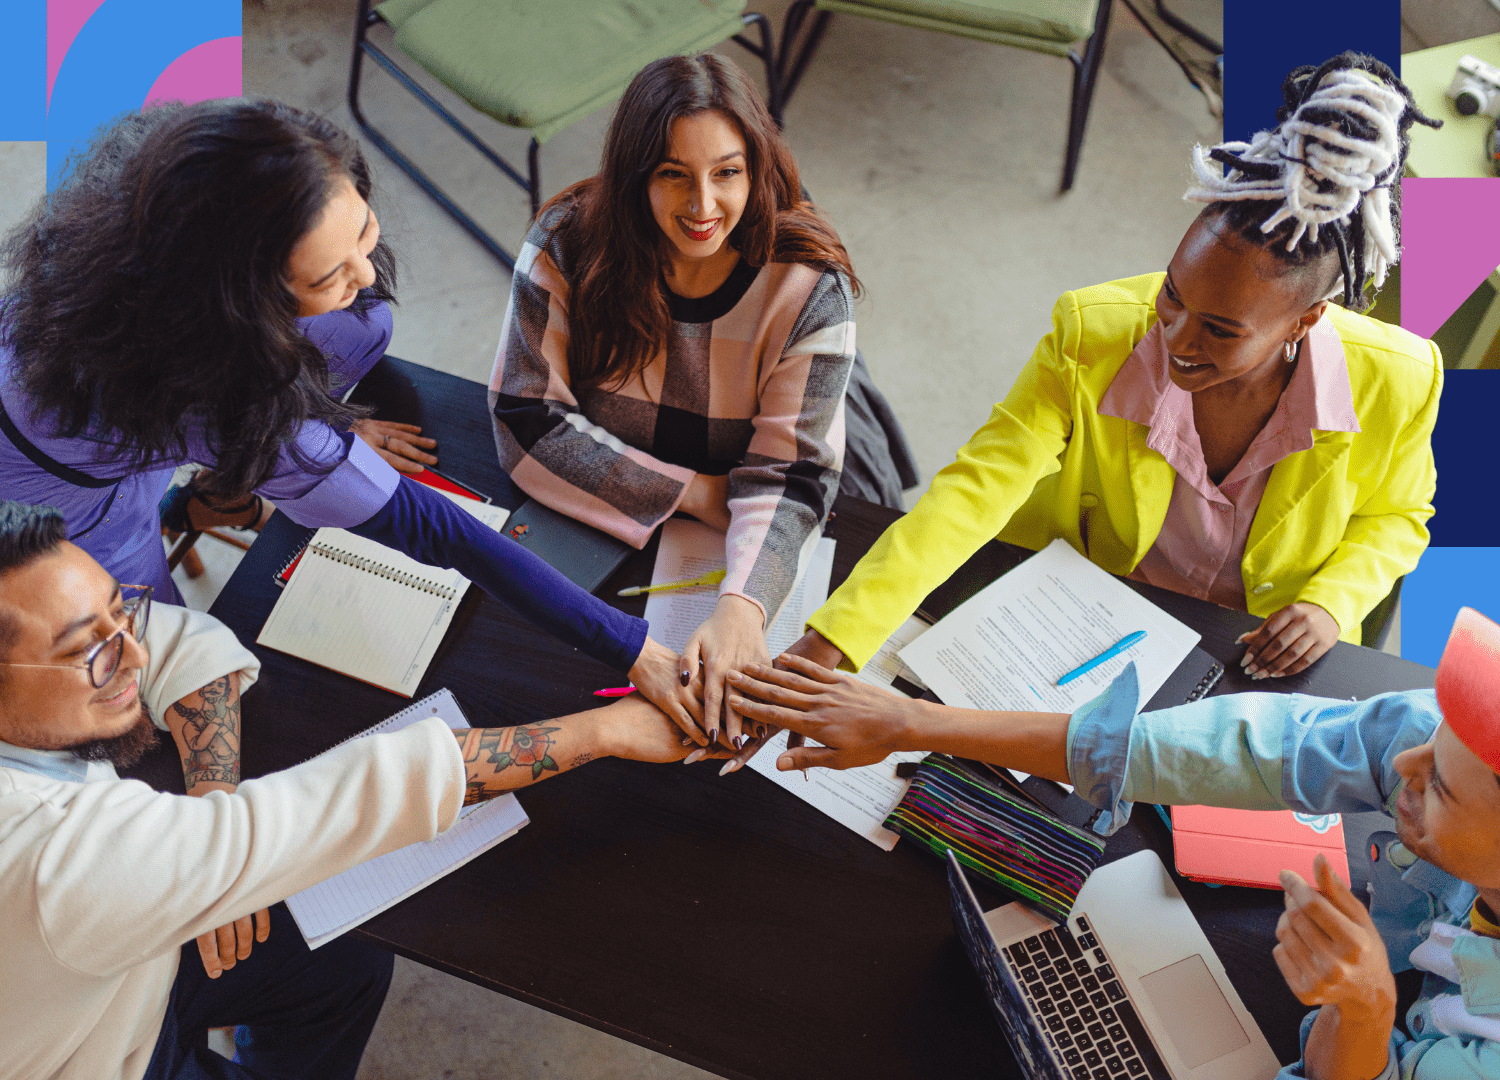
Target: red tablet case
(1252,847)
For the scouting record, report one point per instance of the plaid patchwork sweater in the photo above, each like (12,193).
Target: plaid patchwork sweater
(751,383)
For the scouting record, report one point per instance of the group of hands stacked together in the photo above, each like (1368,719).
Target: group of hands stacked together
(724,698)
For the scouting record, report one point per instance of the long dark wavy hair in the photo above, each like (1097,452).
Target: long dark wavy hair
(147,295)
(617,315)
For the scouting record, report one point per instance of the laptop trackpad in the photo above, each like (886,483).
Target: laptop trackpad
(1193,1012)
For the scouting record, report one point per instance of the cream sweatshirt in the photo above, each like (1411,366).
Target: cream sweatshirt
(102,882)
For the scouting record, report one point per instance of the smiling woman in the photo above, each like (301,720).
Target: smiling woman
(343,240)
(1231,429)
(680,337)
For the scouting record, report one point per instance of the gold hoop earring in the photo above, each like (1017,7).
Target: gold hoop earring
(1289,351)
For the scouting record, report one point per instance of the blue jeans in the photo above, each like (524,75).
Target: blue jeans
(299,1013)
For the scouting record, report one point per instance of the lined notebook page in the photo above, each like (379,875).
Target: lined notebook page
(366,610)
(342,902)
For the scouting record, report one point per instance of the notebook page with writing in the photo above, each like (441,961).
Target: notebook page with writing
(1005,647)
(366,610)
(342,902)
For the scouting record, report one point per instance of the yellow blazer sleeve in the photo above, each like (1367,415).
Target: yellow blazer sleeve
(1387,534)
(968,503)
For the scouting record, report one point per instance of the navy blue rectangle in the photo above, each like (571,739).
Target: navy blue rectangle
(1265,39)
(1466,444)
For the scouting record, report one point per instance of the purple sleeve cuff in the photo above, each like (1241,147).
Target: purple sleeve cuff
(353,492)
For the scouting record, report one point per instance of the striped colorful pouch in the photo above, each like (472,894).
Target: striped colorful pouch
(1011,841)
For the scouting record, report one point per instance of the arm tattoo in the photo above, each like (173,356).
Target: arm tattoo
(212,734)
(490,751)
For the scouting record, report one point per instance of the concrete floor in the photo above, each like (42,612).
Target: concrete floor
(937,158)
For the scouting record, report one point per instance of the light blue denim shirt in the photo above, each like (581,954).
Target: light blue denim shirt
(1316,756)
(55,764)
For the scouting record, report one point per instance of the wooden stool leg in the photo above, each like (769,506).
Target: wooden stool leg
(192,565)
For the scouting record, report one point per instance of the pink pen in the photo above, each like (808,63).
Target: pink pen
(618,691)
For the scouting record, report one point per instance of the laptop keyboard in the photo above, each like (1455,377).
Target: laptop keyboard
(1088,1019)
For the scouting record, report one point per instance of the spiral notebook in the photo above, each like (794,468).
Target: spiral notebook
(370,612)
(342,902)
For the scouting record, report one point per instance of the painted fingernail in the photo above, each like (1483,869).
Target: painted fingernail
(713,734)
(739,741)
(1259,675)
(1245,660)
(729,767)
(686,678)
(697,755)
(687,740)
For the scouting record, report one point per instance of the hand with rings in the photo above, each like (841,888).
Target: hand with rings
(400,444)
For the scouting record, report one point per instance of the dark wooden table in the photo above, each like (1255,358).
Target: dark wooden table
(719,921)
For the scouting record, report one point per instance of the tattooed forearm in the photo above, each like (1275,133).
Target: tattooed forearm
(489,752)
(206,726)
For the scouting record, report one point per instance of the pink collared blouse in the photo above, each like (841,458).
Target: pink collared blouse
(1202,540)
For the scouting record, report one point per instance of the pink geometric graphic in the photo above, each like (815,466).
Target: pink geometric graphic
(1450,231)
(64,19)
(212,70)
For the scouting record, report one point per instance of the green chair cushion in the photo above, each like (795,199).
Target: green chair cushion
(544,64)
(1043,25)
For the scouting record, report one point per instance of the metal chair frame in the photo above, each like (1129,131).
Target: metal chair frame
(531,183)
(1085,70)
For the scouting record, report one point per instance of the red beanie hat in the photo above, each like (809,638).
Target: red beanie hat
(1468,685)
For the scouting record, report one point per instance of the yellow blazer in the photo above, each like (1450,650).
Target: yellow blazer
(1338,524)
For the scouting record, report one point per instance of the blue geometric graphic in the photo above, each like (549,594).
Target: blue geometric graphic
(116,58)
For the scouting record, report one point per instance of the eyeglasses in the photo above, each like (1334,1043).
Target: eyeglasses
(103,660)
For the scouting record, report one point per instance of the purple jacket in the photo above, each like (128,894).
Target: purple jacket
(113,515)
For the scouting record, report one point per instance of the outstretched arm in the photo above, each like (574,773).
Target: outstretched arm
(498,760)
(431,529)
(860,724)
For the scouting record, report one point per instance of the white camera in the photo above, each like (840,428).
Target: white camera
(1475,88)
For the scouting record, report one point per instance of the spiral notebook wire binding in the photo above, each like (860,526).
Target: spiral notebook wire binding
(390,573)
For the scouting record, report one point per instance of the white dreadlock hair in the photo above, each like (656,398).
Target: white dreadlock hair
(1328,176)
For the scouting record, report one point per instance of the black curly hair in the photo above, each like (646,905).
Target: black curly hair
(147,298)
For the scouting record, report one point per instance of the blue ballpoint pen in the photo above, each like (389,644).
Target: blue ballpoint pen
(1108,654)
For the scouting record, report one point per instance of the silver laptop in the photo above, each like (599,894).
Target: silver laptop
(1127,989)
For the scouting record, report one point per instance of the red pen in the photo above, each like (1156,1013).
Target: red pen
(618,691)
